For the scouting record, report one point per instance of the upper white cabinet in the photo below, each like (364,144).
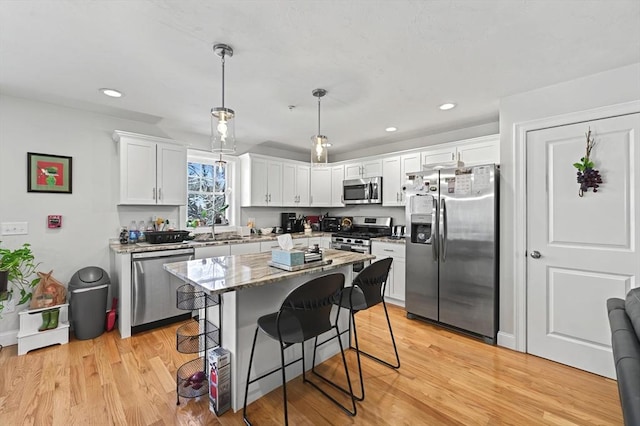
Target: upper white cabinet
(152,170)
(369,168)
(321,186)
(326,186)
(295,185)
(438,155)
(481,152)
(484,150)
(394,170)
(337,176)
(261,181)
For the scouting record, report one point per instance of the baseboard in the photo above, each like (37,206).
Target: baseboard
(507,340)
(8,338)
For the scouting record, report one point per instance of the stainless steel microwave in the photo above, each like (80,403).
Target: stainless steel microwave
(362,191)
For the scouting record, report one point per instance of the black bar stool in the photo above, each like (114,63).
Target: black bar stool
(366,291)
(304,314)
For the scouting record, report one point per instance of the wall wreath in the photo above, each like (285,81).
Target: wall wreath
(588,177)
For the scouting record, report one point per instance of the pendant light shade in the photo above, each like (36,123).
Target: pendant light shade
(319,142)
(223,135)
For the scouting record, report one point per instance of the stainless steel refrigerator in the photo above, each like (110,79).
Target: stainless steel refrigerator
(452,248)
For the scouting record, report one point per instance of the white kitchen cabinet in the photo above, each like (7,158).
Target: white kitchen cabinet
(323,242)
(211,251)
(153,171)
(321,188)
(295,185)
(298,244)
(395,290)
(438,155)
(394,171)
(261,181)
(244,248)
(368,168)
(483,150)
(326,186)
(337,177)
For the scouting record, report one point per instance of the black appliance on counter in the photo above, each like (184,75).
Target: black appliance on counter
(330,224)
(290,223)
(358,238)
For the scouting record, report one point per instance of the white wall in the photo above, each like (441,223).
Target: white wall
(90,216)
(608,88)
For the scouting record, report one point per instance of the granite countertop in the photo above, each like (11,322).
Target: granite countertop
(390,240)
(230,273)
(145,247)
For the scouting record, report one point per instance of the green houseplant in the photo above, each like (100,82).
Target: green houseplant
(18,268)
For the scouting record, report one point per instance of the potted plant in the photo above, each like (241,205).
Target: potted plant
(18,268)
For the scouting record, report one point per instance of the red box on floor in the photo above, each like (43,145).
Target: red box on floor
(219,380)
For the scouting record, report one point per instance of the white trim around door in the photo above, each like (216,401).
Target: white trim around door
(520,202)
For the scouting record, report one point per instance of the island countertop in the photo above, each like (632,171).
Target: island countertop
(223,274)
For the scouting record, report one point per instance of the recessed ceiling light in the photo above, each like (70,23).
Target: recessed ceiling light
(113,93)
(391,129)
(445,107)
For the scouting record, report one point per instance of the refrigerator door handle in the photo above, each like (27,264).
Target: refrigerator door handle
(435,235)
(444,229)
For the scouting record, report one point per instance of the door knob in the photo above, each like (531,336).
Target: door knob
(536,254)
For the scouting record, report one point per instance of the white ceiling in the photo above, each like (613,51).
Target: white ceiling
(383,63)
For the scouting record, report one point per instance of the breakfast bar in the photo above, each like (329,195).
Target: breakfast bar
(249,288)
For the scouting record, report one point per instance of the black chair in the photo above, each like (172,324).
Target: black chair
(366,291)
(304,314)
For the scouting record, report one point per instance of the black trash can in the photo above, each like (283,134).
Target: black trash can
(88,290)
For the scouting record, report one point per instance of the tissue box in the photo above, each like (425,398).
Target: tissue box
(288,257)
(219,380)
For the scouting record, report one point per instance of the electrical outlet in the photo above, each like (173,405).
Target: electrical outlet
(10,306)
(14,228)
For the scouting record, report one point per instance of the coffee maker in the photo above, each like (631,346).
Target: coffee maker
(288,222)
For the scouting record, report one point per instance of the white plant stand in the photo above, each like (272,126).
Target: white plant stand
(30,338)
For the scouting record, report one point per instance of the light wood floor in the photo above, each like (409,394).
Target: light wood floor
(445,378)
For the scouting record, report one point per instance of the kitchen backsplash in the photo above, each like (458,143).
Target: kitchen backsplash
(127,214)
(270,216)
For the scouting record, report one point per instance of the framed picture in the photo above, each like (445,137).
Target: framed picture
(48,173)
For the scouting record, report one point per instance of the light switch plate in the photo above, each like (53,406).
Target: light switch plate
(14,228)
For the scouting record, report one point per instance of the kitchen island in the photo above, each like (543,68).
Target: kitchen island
(249,288)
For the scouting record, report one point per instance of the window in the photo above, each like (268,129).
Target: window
(208,191)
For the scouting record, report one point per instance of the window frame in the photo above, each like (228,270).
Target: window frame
(205,157)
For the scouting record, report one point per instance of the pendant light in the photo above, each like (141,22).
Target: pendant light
(223,137)
(319,145)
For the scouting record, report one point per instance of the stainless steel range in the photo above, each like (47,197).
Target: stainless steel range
(358,238)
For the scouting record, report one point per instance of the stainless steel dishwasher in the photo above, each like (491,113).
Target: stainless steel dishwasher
(153,290)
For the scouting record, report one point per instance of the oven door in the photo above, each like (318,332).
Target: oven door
(357,267)
(356,191)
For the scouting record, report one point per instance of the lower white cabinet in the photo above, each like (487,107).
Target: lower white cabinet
(323,242)
(298,244)
(395,291)
(245,248)
(211,251)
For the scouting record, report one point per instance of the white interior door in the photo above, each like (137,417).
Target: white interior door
(587,245)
